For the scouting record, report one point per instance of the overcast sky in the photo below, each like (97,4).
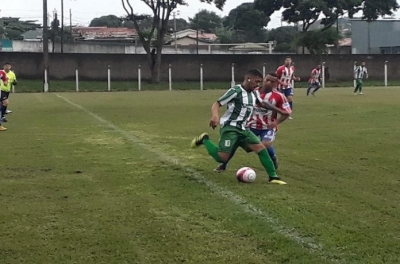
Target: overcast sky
(83,11)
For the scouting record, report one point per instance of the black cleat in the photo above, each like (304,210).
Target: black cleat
(198,141)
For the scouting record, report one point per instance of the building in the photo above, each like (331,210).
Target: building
(104,34)
(189,37)
(344,47)
(375,37)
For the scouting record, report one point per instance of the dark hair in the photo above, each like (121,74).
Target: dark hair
(288,57)
(273,74)
(255,72)
(7,63)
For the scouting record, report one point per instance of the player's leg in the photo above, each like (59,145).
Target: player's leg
(267,139)
(361,87)
(317,86)
(227,143)
(4,105)
(2,128)
(357,86)
(222,167)
(289,95)
(253,143)
(310,86)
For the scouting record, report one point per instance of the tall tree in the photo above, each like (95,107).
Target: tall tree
(206,20)
(161,12)
(14,27)
(106,21)
(248,23)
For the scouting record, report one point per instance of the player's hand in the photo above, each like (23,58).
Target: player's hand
(214,122)
(297,79)
(14,83)
(272,125)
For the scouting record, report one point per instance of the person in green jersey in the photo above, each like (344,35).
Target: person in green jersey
(233,132)
(360,73)
(5,89)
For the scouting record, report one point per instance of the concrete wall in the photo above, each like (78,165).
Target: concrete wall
(186,67)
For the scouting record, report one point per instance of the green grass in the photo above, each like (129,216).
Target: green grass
(28,86)
(103,185)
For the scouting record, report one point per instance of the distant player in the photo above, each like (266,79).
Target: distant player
(360,73)
(233,133)
(286,76)
(5,90)
(315,80)
(264,123)
(4,81)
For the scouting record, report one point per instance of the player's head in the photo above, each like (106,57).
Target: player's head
(270,81)
(252,79)
(363,63)
(288,61)
(7,66)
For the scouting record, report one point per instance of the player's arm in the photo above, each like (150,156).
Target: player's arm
(285,111)
(4,79)
(271,107)
(15,82)
(223,100)
(279,72)
(294,77)
(366,72)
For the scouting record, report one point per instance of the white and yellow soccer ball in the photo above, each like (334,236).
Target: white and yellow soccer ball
(246,174)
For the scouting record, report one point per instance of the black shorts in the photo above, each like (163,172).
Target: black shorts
(4,95)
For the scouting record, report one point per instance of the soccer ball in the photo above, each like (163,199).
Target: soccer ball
(246,174)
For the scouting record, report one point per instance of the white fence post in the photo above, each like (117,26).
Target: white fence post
(264,70)
(139,76)
(109,78)
(77,80)
(323,74)
(354,74)
(201,78)
(46,82)
(170,76)
(386,74)
(233,75)
(13,88)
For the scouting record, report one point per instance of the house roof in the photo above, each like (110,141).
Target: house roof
(192,33)
(345,42)
(104,32)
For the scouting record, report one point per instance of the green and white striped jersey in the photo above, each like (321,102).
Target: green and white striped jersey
(240,107)
(360,72)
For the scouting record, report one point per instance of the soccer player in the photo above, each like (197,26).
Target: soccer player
(286,76)
(359,74)
(4,81)
(233,133)
(315,80)
(264,123)
(5,90)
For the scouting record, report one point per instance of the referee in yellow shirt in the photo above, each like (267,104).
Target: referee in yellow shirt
(5,89)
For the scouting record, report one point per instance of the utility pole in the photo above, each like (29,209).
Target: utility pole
(176,44)
(45,44)
(62,26)
(70,21)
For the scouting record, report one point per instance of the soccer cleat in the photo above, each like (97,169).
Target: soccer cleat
(2,128)
(4,119)
(197,141)
(290,118)
(361,93)
(275,161)
(8,111)
(276,180)
(220,168)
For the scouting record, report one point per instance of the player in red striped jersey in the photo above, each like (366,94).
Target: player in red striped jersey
(286,77)
(264,123)
(315,80)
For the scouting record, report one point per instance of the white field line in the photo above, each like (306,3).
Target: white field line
(290,233)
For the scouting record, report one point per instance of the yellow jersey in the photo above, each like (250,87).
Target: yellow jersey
(11,78)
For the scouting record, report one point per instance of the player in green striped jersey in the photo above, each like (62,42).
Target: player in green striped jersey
(233,133)
(360,73)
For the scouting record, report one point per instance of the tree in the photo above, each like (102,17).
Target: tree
(283,36)
(316,40)
(54,34)
(106,21)
(247,22)
(161,12)
(206,20)
(14,27)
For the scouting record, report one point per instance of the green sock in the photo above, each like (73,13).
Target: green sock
(267,163)
(212,149)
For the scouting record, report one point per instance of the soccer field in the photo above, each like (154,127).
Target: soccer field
(110,178)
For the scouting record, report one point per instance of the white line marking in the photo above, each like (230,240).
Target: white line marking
(290,233)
